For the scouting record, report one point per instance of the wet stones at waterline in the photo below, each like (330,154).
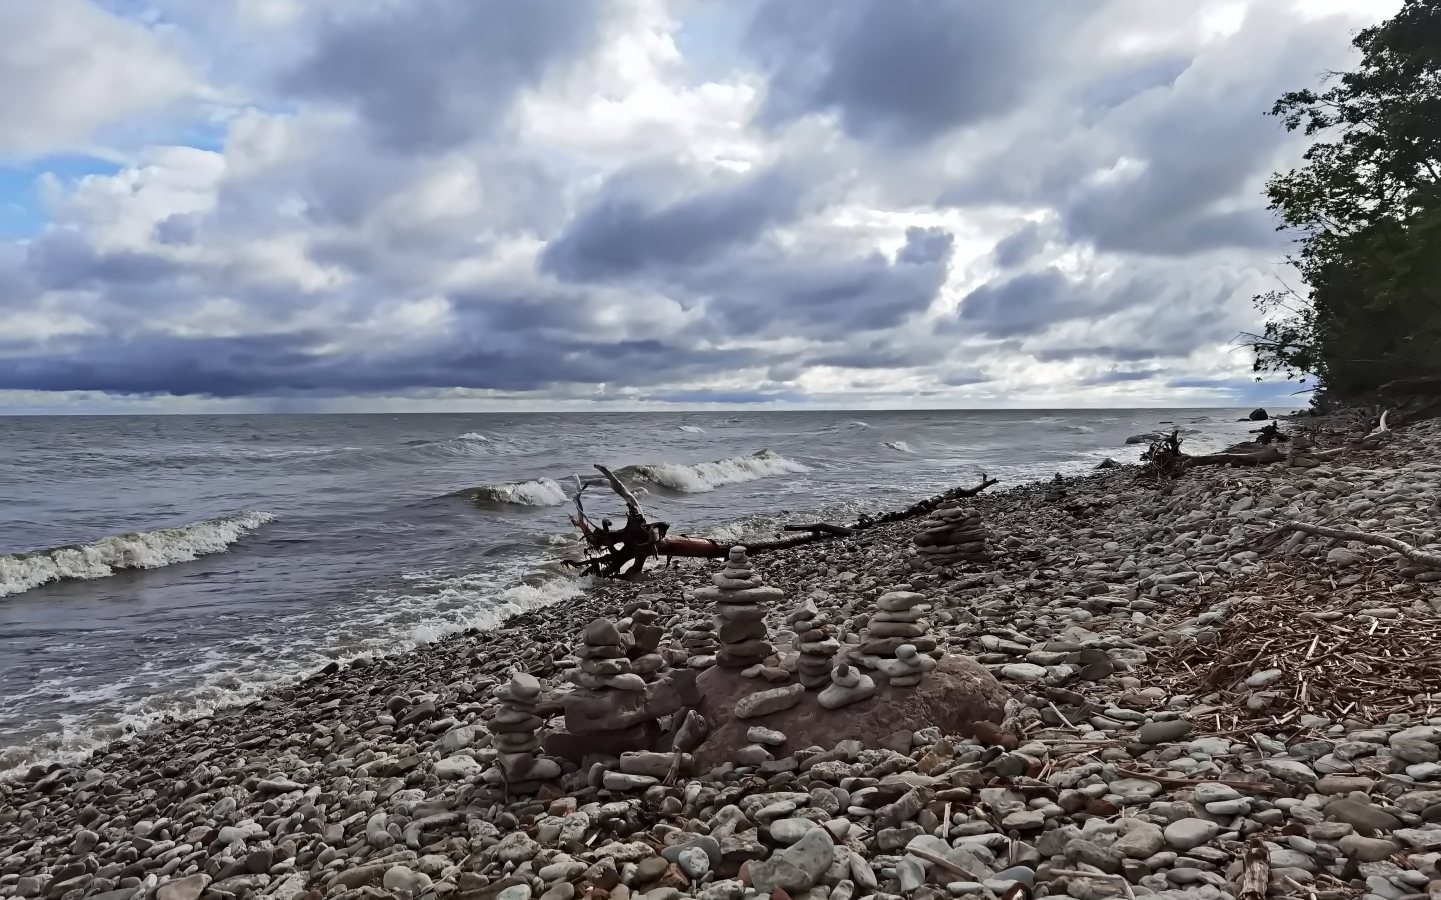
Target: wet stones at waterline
(741,600)
(815,641)
(950,535)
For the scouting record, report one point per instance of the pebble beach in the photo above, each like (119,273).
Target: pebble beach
(1188,698)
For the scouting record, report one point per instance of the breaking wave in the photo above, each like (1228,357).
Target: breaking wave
(21,572)
(692,429)
(707,476)
(900,446)
(474,436)
(536,492)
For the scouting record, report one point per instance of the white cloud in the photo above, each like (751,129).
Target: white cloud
(68,68)
(614,217)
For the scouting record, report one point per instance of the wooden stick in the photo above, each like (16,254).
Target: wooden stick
(1259,787)
(1099,876)
(943,862)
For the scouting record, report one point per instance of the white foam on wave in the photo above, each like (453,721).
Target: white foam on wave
(390,623)
(707,476)
(536,492)
(132,550)
(474,436)
(900,446)
(692,429)
(1079,429)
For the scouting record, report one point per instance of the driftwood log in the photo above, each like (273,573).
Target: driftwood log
(621,553)
(1166,459)
(1416,555)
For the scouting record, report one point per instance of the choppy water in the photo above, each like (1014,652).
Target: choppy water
(163,566)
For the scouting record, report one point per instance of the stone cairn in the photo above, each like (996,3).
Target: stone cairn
(515,729)
(1300,452)
(815,639)
(896,635)
(847,685)
(608,694)
(740,600)
(698,640)
(948,536)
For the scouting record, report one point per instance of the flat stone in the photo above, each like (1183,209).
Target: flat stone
(762,735)
(797,867)
(1344,784)
(602,632)
(1361,816)
(1140,842)
(187,888)
(1163,732)
(624,781)
(1212,792)
(764,703)
(788,831)
(1186,834)
(1367,849)
(1023,672)
(1290,771)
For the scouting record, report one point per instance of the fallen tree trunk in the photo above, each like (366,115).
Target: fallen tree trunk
(1414,554)
(622,553)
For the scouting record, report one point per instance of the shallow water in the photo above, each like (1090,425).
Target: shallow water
(207,557)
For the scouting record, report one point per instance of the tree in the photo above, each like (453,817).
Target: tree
(1366,205)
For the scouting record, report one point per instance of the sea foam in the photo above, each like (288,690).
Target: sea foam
(21,572)
(707,476)
(536,492)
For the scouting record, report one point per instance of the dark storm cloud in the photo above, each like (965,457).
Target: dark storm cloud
(64,260)
(621,234)
(903,71)
(1018,248)
(826,299)
(1118,377)
(430,74)
(1022,305)
(1099,351)
(275,365)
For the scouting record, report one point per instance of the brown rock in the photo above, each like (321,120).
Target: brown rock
(957,695)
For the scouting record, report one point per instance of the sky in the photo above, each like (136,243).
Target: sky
(350,205)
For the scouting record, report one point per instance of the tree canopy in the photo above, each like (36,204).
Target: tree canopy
(1366,205)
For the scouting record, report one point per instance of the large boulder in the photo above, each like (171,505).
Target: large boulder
(954,696)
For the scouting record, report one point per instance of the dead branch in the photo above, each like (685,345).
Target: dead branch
(1256,869)
(1345,534)
(1256,787)
(823,528)
(614,553)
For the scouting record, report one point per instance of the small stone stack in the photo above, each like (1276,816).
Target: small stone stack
(895,635)
(950,535)
(604,666)
(1300,452)
(815,639)
(846,685)
(698,640)
(606,711)
(515,728)
(740,606)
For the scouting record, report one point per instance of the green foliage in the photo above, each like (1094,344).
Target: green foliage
(1367,207)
